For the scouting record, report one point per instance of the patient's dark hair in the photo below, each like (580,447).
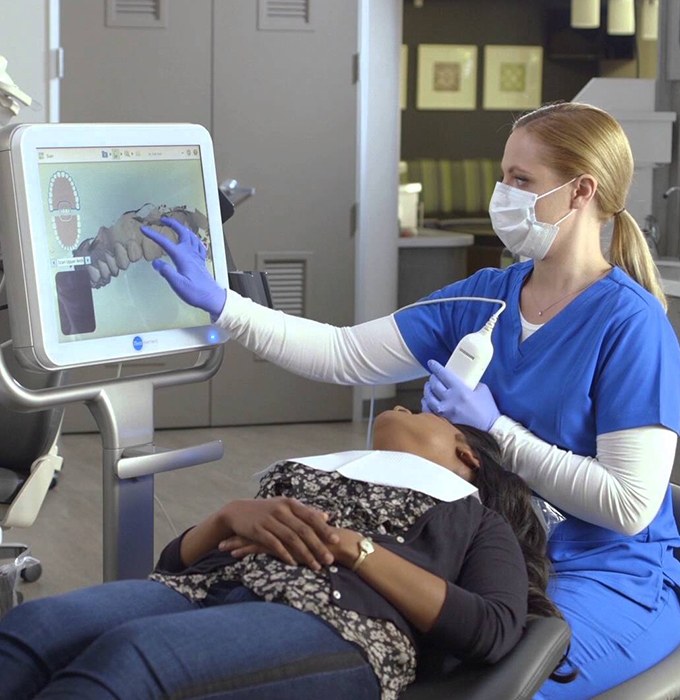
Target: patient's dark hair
(508,494)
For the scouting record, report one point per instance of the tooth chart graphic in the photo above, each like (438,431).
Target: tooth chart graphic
(64,204)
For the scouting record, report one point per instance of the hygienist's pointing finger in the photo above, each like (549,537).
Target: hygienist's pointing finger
(162,241)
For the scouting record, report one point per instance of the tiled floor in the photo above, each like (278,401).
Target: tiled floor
(67,536)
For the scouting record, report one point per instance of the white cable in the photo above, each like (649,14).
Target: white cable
(425,302)
(167,516)
(371,418)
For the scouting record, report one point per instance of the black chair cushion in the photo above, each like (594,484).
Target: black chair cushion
(517,676)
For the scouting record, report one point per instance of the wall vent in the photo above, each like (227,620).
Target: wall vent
(284,15)
(287,275)
(152,14)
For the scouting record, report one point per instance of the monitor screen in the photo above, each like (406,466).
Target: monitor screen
(81,287)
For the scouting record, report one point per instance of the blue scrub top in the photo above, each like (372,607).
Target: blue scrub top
(609,361)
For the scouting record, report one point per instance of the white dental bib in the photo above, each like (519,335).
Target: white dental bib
(400,469)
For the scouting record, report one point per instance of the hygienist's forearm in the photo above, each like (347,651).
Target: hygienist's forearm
(370,353)
(620,489)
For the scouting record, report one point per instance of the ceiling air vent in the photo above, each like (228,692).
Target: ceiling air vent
(152,14)
(284,16)
(287,277)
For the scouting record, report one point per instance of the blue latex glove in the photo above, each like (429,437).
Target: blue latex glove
(189,278)
(446,395)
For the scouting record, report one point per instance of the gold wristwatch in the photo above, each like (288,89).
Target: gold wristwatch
(365,548)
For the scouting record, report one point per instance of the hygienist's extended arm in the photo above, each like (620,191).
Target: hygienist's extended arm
(621,488)
(370,353)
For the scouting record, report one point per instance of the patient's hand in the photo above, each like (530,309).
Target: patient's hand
(284,527)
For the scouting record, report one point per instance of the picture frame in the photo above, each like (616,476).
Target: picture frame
(403,77)
(447,77)
(513,77)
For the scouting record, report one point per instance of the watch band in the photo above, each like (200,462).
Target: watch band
(365,548)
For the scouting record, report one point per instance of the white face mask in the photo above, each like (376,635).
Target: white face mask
(513,217)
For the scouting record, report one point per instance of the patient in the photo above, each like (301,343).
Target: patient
(284,596)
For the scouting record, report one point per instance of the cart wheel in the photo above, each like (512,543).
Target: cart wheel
(55,479)
(32,572)
(20,597)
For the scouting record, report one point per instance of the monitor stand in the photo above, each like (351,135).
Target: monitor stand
(123,410)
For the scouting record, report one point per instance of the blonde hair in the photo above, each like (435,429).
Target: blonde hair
(578,139)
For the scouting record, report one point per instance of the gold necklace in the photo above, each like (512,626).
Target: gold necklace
(566,296)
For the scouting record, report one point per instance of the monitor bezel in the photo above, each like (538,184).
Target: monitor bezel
(30,285)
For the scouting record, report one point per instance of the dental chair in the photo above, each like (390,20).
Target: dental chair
(661,682)
(520,674)
(517,676)
(29,460)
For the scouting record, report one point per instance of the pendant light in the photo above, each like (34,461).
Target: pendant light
(621,17)
(585,14)
(649,20)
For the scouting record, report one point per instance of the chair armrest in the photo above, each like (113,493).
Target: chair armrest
(517,676)
(660,682)
(25,506)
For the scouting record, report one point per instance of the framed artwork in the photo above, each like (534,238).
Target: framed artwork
(447,76)
(512,77)
(403,77)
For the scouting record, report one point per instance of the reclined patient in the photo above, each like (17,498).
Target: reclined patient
(324,585)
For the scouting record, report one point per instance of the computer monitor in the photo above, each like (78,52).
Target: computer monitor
(81,289)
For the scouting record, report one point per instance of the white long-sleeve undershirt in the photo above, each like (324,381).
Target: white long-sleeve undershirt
(369,353)
(621,488)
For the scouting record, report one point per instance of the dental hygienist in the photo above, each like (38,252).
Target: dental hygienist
(583,391)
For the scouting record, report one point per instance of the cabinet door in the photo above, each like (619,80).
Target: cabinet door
(285,122)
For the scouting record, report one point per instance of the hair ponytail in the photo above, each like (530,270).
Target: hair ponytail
(630,252)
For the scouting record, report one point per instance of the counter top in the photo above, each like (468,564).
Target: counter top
(433,238)
(669,272)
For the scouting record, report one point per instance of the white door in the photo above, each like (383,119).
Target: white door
(285,122)
(282,108)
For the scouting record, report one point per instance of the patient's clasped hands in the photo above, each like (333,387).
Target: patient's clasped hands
(284,527)
(190,279)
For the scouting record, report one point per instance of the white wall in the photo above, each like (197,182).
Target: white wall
(378,163)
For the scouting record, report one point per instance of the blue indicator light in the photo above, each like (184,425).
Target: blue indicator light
(137,342)
(213,336)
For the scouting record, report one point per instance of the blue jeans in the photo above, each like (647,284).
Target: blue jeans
(140,639)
